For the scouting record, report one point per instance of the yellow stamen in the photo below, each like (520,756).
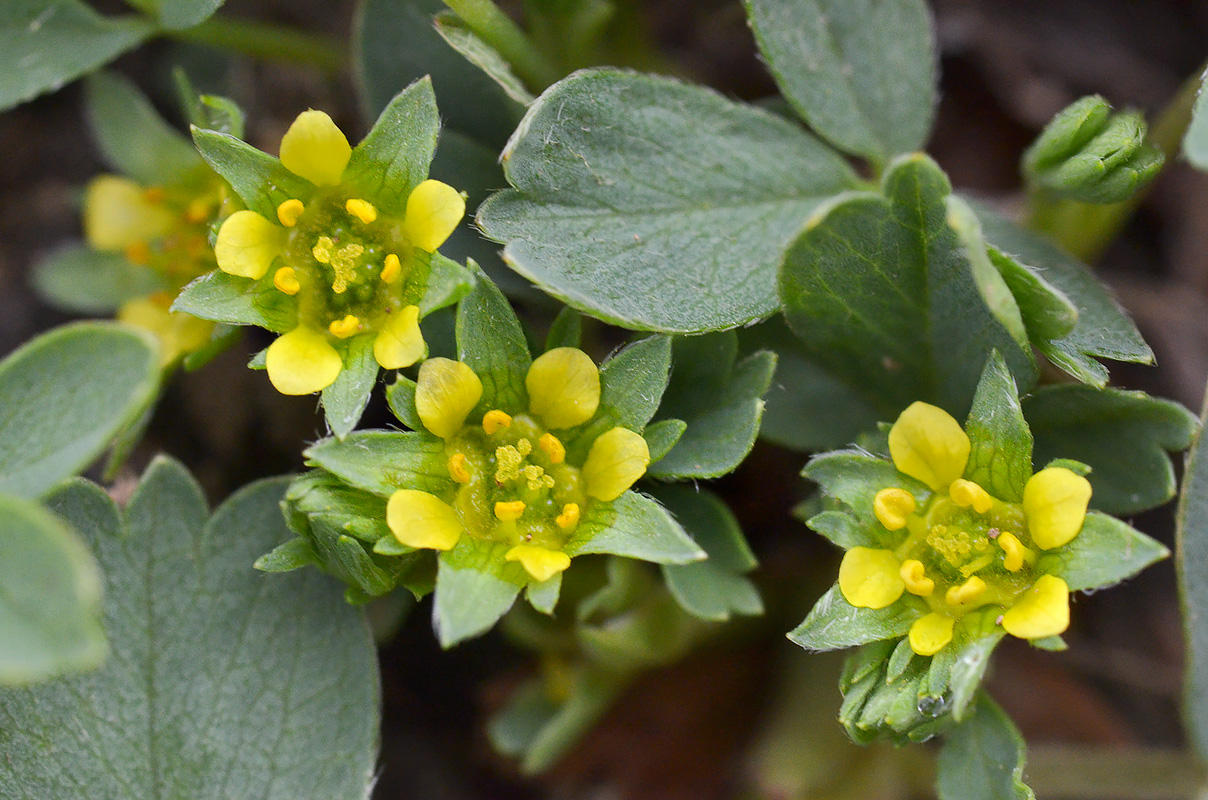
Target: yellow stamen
(509,511)
(553,448)
(343,328)
(138,253)
(966,593)
(289,211)
(457,468)
(892,507)
(537,479)
(968,494)
(495,419)
(524,447)
(569,517)
(361,209)
(392,269)
(286,280)
(1014,552)
(915,578)
(322,251)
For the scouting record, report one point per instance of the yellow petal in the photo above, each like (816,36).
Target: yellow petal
(302,361)
(315,149)
(422,520)
(927,444)
(539,562)
(1043,611)
(178,333)
(929,634)
(247,244)
(446,393)
(616,460)
(892,507)
(399,343)
(118,213)
(563,387)
(433,211)
(1054,503)
(870,578)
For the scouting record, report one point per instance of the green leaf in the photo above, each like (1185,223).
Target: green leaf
(206,663)
(288,556)
(458,35)
(132,136)
(661,436)
(394,157)
(474,588)
(47,43)
(50,608)
(1195,141)
(854,478)
(632,383)
(447,282)
(968,669)
(400,396)
(883,295)
(1106,551)
(1000,460)
(844,530)
(543,596)
(260,180)
(1191,560)
(983,758)
(1103,329)
(862,73)
(615,173)
(344,401)
(77,279)
(1123,436)
(722,404)
(491,342)
(1047,313)
(395,44)
(65,395)
(990,282)
(717,587)
(234,300)
(181,14)
(634,526)
(834,623)
(382,462)
(566,330)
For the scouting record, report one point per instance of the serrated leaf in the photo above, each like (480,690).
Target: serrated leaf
(46,43)
(1123,436)
(634,526)
(344,400)
(491,342)
(862,73)
(382,462)
(66,395)
(260,180)
(1106,551)
(132,136)
(395,155)
(77,279)
(882,295)
(1000,459)
(209,663)
(458,35)
(834,623)
(1191,561)
(983,758)
(475,586)
(620,178)
(227,298)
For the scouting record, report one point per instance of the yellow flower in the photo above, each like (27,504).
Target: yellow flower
(344,260)
(516,481)
(959,549)
(179,334)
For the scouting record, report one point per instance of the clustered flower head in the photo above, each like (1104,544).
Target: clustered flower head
(352,266)
(956,549)
(514,482)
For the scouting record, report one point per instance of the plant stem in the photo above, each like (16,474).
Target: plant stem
(262,40)
(499,31)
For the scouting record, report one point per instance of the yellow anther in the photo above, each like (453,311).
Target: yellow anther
(569,517)
(361,209)
(289,211)
(343,328)
(966,593)
(322,251)
(1014,552)
(457,468)
(138,253)
(495,419)
(892,507)
(552,448)
(524,447)
(198,210)
(915,578)
(509,511)
(286,280)
(968,494)
(154,194)
(392,269)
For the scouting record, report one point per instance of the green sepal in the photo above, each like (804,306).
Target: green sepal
(208,111)
(260,180)
(220,297)
(983,758)
(634,526)
(843,529)
(1047,313)
(854,477)
(566,330)
(1051,644)
(345,399)
(661,437)
(1124,436)
(288,556)
(395,155)
(1000,456)
(713,395)
(475,586)
(543,596)
(1106,551)
(358,513)
(716,588)
(347,558)
(447,282)
(382,462)
(79,280)
(833,623)
(400,396)
(632,382)
(491,342)
(458,35)
(221,339)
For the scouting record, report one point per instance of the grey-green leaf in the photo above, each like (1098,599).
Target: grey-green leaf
(77,279)
(621,178)
(1000,459)
(381,462)
(854,478)
(260,180)
(983,758)
(474,588)
(214,690)
(632,383)
(862,73)
(1195,141)
(834,623)
(234,300)
(65,396)
(1106,551)
(1192,564)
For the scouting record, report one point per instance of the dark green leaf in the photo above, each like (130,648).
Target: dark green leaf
(983,758)
(447,282)
(400,396)
(1000,460)
(345,400)
(634,526)
(234,300)
(566,330)
(80,280)
(620,178)
(1047,313)
(381,462)
(834,623)
(1105,551)
(259,179)
(632,383)
(491,342)
(844,530)
(132,136)
(288,556)
(394,158)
